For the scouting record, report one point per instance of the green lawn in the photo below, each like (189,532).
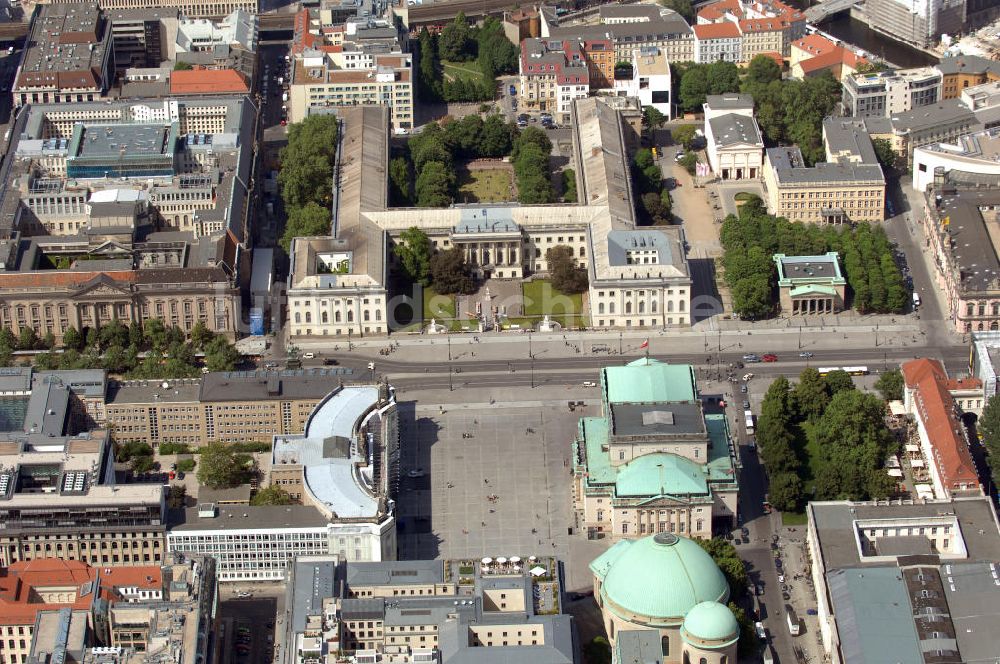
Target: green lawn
(794,519)
(540,298)
(438,306)
(487,186)
(465,70)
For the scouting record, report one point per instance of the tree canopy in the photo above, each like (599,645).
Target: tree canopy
(890,385)
(450,272)
(306,221)
(221,467)
(414,253)
(272,495)
(565,275)
(989,429)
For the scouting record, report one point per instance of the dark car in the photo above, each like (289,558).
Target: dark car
(746,532)
(746,405)
(513,89)
(330,362)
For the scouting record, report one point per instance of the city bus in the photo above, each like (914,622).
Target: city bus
(748,421)
(792,619)
(854,371)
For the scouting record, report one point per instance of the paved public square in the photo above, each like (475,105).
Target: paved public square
(494,479)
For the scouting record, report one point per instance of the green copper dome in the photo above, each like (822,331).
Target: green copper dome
(661,577)
(711,621)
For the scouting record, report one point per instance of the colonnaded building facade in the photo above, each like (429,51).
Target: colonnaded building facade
(639,278)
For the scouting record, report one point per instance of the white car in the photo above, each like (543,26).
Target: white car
(761,632)
(308,356)
(781,578)
(589,383)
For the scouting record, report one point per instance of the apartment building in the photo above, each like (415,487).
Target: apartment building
(157,233)
(231,407)
(814,54)
(717,41)
(748,29)
(886,93)
(68,58)
(848,187)
(919,23)
(653,462)
(418,611)
(965,71)
(553,74)
(363,63)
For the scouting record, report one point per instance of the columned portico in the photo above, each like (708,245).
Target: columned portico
(812,305)
(491,241)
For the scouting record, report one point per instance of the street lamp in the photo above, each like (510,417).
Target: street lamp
(530,355)
(449,349)
(619,342)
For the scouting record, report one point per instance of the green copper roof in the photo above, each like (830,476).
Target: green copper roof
(648,381)
(661,577)
(711,621)
(808,290)
(660,474)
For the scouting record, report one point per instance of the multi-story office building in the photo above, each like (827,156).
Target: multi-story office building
(108,615)
(922,571)
(735,146)
(427,611)
(917,22)
(361,63)
(883,94)
(188,8)
(957,219)
(68,58)
(849,186)
(632,27)
(344,468)
(650,81)
(944,446)
(147,203)
(142,37)
(654,461)
(553,75)
(972,159)
(965,71)
(231,407)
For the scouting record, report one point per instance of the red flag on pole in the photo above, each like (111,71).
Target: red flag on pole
(645,344)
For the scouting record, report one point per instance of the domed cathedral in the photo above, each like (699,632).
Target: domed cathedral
(663,598)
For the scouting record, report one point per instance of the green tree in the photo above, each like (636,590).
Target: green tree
(141,464)
(434,185)
(414,253)
(307,162)
(811,395)
(429,79)
(453,44)
(786,492)
(682,7)
(497,55)
(220,355)
(180,65)
(886,156)
(890,385)
(838,381)
(694,88)
(723,77)
(221,467)
(598,651)
(989,429)
(307,221)
(201,335)
(72,338)
(272,495)
(752,297)
(728,560)
(176,496)
(569,186)
(496,138)
(652,118)
(450,273)
(28,339)
(689,161)
(399,181)
(531,136)
(684,135)
(565,275)
(762,70)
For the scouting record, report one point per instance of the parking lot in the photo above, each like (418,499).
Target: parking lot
(249,617)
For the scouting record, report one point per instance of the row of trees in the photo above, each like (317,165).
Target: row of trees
(116,347)
(486,46)
(569,186)
(655,204)
(306,177)
(826,417)
(752,237)
(788,111)
(530,157)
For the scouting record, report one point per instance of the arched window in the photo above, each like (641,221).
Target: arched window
(996,308)
(336,316)
(642,307)
(628,307)
(600,307)
(309,317)
(670,306)
(665,646)
(653,307)
(326,317)
(367,315)
(703,660)
(378,314)
(681,305)
(970,309)
(611,307)
(298,317)
(350,316)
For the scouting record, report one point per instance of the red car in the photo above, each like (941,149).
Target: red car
(769,357)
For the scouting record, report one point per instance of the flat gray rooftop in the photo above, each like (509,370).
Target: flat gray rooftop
(397,572)
(834,525)
(131,140)
(664,419)
(974,605)
(313,580)
(973,247)
(245,517)
(735,129)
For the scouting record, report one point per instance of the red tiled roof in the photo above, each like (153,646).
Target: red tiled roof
(19,602)
(718,9)
(207,81)
(936,410)
(716,30)
(838,56)
(61,278)
(815,44)
(957,384)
